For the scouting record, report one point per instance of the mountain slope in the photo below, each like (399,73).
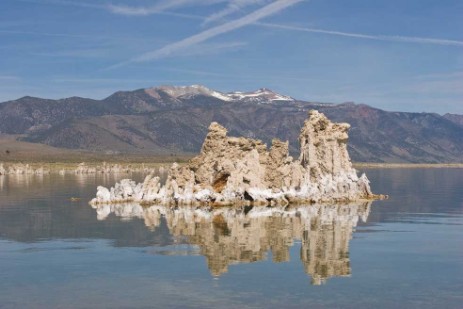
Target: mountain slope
(457,119)
(171,119)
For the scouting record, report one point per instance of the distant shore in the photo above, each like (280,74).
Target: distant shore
(58,166)
(166,162)
(14,151)
(407,165)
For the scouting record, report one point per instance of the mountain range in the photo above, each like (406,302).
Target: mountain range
(174,120)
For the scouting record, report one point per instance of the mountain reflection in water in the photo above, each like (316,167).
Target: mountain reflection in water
(228,236)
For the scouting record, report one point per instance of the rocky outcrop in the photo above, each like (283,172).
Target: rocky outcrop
(228,236)
(232,170)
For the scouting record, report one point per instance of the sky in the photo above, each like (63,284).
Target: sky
(397,55)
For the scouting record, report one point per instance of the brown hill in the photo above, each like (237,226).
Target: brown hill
(168,120)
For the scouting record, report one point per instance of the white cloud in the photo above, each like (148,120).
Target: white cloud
(236,5)
(79,3)
(253,17)
(122,9)
(160,6)
(390,38)
(232,7)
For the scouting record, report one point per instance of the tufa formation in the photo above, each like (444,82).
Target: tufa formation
(241,171)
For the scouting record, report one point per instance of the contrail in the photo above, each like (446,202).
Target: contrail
(166,4)
(158,7)
(390,38)
(251,18)
(232,7)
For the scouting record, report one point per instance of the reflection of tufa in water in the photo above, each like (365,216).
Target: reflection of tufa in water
(231,170)
(246,234)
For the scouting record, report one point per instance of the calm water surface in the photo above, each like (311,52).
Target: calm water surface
(406,252)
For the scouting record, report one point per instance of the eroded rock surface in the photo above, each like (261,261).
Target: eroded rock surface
(237,170)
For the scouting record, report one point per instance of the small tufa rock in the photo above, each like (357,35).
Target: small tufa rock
(22,169)
(232,170)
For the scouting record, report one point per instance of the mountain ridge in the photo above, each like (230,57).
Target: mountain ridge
(174,119)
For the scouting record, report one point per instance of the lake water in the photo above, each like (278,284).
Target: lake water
(405,252)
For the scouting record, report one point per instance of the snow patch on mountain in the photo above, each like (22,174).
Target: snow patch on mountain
(185,92)
(262,95)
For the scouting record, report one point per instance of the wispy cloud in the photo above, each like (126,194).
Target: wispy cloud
(143,11)
(446,75)
(232,7)
(253,17)
(45,34)
(390,38)
(82,4)
(10,78)
(158,7)
(438,87)
(450,83)
(76,53)
(172,14)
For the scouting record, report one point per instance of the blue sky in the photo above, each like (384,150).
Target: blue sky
(402,55)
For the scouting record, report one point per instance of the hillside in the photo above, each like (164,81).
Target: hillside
(173,120)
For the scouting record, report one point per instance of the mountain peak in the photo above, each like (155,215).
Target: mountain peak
(179,92)
(262,95)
